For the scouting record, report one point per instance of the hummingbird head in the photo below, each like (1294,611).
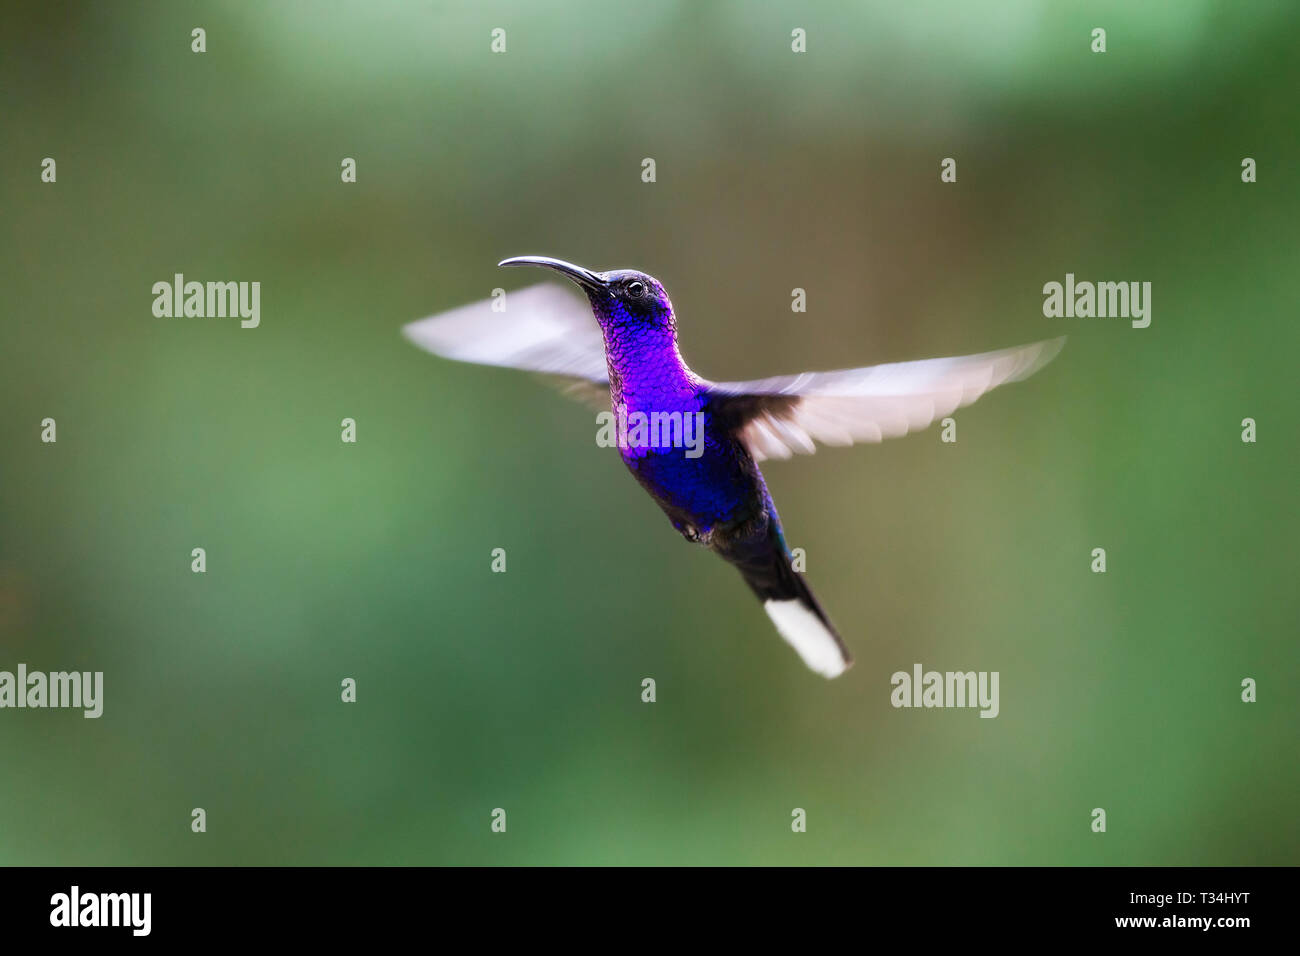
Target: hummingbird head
(626,302)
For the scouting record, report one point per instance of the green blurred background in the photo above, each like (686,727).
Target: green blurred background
(522,690)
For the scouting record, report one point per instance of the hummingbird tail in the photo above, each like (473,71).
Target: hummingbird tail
(790,603)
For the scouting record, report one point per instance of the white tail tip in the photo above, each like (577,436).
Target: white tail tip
(812,640)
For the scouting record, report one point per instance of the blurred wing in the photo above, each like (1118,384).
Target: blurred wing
(777,417)
(542,329)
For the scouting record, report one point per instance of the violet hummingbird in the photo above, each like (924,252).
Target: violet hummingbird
(619,349)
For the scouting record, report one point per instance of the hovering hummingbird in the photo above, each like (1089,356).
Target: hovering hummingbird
(627,360)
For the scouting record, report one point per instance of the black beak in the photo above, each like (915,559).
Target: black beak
(584,277)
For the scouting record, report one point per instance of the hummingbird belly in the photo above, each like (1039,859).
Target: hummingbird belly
(717,487)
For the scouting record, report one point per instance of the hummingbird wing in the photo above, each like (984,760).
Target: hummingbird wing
(777,417)
(541,328)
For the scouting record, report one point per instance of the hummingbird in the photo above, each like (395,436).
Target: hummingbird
(618,350)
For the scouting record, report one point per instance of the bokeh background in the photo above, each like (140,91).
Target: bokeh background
(522,690)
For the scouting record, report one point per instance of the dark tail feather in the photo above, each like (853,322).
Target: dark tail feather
(790,604)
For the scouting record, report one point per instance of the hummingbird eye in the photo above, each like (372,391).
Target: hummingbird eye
(636,289)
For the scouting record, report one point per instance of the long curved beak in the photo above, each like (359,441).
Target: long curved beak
(584,277)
